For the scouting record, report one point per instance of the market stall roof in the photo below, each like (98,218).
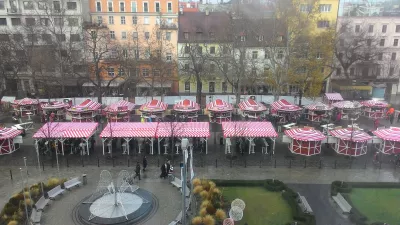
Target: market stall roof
(334,96)
(9,133)
(305,134)
(154,106)
(26,101)
(347,105)
(252,105)
(129,129)
(319,106)
(348,134)
(284,105)
(374,104)
(388,134)
(62,130)
(248,129)
(219,105)
(120,106)
(183,129)
(186,106)
(87,105)
(54,105)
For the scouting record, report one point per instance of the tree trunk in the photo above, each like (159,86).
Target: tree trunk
(199,90)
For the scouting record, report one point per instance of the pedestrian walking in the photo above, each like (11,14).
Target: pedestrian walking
(168,168)
(398,117)
(137,171)
(144,163)
(92,143)
(376,123)
(391,118)
(163,170)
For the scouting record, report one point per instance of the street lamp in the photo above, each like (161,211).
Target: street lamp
(184,145)
(23,193)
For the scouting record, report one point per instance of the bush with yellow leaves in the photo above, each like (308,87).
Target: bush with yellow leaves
(208,220)
(197,220)
(196,182)
(220,215)
(203,211)
(12,222)
(197,189)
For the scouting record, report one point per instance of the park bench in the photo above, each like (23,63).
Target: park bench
(41,203)
(302,201)
(25,126)
(342,203)
(35,216)
(177,182)
(53,193)
(72,183)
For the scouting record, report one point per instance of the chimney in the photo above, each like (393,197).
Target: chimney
(207,12)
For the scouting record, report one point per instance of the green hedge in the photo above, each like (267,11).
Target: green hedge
(243,183)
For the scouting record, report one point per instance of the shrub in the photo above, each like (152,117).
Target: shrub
(339,186)
(210,209)
(35,192)
(274,185)
(242,183)
(197,189)
(205,184)
(197,220)
(205,203)
(204,194)
(9,209)
(220,214)
(28,201)
(208,220)
(196,182)
(12,222)
(53,182)
(203,211)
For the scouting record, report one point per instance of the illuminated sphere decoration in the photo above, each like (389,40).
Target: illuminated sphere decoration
(228,221)
(236,213)
(239,203)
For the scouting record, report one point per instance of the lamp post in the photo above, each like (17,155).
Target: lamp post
(38,159)
(26,168)
(184,145)
(23,193)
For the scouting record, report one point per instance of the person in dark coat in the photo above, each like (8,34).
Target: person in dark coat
(137,171)
(168,167)
(391,118)
(144,163)
(92,143)
(163,171)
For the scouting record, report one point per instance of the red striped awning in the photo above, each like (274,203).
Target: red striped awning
(9,133)
(87,105)
(347,105)
(334,96)
(26,101)
(62,130)
(55,105)
(183,129)
(319,106)
(219,106)
(284,105)
(305,134)
(252,105)
(153,106)
(248,129)
(187,106)
(120,106)
(347,133)
(388,134)
(374,104)
(132,129)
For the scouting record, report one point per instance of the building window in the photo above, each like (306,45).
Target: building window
(122,6)
(73,22)
(211,87)
(384,28)
(280,54)
(380,56)
(18,37)
(323,24)
(212,35)
(146,35)
(186,35)
(212,50)
(305,8)
(122,19)
(391,71)
(60,37)
(57,6)
(393,56)
(99,20)
(75,38)
(266,55)
(158,35)
(395,42)
(319,55)
(254,55)
(145,72)
(133,7)
(112,34)
(125,53)
(32,38)
(169,57)
(253,71)
(123,35)
(397,28)
(98,6)
(145,20)
(369,42)
(338,71)
(224,87)
(28,5)
(199,50)
(134,20)
(169,6)
(135,35)
(157,6)
(212,68)
(145,7)
(225,68)
(351,71)
(168,36)
(186,67)
(59,21)
(187,49)
(30,21)
(187,86)
(382,42)
(110,6)
(111,20)
(260,38)
(15,21)
(357,28)
(325,7)
(371,28)
(242,38)
(137,54)
(71,5)
(158,20)
(2,5)
(111,71)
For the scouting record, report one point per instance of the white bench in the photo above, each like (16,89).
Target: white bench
(26,126)
(53,193)
(35,216)
(342,203)
(72,183)
(304,204)
(177,182)
(41,203)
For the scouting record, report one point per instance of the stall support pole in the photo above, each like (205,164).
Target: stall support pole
(206,145)
(103,140)
(273,149)
(62,146)
(87,145)
(158,146)
(151,147)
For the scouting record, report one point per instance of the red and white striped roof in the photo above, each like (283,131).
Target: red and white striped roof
(87,105)
(61,130)
(334,96)
(26,101)
(186,106)
(374,104)
(219,105)
(346,134)
(284,105)
(129,129)
(347,105)
(252,105)
(54,105)
(183,129)
(154,106)
(248,129)
(305,134)
(388,134)
(319,106)
(120,106)
(9,133)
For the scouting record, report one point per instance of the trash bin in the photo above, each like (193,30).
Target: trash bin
(221,140)
(84,179)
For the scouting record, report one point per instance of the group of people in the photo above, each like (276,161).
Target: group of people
(166,168)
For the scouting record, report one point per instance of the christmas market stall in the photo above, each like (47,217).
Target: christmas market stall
(305,141)
(153,111)
(119,111)
(85,112)
(252,109)
(285,110)
(219,111)
(350,141)
(7,140)
(374,109)
(317,112)
(54,110)
(187,110)
(390,140)
(330,98)
(348,108)
(26,107)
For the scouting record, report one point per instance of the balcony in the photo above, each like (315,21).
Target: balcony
(13,11)
(168,26)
